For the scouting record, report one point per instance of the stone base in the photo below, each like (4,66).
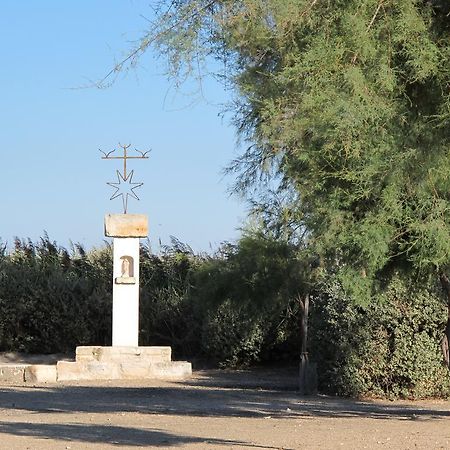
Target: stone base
(12,373)
(40,373)
(32,373)
(123,363)
(102,363)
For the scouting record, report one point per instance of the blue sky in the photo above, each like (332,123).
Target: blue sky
(53,178)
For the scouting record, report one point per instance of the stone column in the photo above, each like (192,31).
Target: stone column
(126,229)
(125,313)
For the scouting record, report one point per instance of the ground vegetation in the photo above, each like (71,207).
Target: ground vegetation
(237,308)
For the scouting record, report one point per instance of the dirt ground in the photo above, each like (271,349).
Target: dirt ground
(213,410)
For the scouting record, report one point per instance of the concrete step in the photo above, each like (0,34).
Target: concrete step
(102,363)
(12,373)
(40,373)
(33,373)
(95,370)
(152,354)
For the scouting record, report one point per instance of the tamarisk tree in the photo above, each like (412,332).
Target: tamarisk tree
(347,104)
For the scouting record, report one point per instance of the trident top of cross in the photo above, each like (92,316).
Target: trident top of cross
(125,186)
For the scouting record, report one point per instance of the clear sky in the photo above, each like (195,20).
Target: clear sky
(53,178)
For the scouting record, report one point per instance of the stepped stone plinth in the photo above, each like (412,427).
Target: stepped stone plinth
(123,363)
(102,363)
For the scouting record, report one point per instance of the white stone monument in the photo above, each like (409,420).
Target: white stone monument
(125,359)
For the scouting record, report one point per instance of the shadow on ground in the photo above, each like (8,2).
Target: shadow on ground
(113,435)
(208,394)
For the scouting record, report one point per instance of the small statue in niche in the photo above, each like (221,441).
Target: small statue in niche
(127,271)
(125,268)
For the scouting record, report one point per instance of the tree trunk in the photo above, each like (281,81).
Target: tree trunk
(303,372)
(445,282)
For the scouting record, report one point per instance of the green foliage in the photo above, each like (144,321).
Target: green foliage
(168,314)
(236,308)
(231,309)
(389,348)
(231,338)
(235,335)
(259,272)
(346,105)
(248,292)
(51,301)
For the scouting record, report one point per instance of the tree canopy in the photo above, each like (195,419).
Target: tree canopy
(347,105)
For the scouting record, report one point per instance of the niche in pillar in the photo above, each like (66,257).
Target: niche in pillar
(127,269)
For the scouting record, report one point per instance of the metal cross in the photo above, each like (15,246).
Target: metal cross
(125,186)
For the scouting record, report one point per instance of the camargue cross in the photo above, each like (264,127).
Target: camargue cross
(125,186)
(126,230)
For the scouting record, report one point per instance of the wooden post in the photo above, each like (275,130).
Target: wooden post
(303,372)
(445,282)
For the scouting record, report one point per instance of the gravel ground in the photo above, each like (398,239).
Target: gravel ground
(213,410)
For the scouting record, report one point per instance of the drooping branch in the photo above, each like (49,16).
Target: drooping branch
(355,56)
(306,10)
(147,40)
(375,15)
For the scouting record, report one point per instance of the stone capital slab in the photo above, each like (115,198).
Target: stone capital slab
(126,225)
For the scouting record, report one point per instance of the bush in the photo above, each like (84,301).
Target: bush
(233,309)
(51,301)
(168,314)
(231,338)
(229,309)
(389,348)
(244,294)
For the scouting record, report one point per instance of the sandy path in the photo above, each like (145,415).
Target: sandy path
(214,410)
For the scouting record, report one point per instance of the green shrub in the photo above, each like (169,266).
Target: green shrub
(234,309)
(229,309)
(51,301)
(231,337)
(168,316)
(390,347)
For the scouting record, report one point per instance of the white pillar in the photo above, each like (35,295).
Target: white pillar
(125,314)
(126,229)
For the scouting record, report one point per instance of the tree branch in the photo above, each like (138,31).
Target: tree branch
(309,7)
(147,40)
(355,56)
(375,15)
